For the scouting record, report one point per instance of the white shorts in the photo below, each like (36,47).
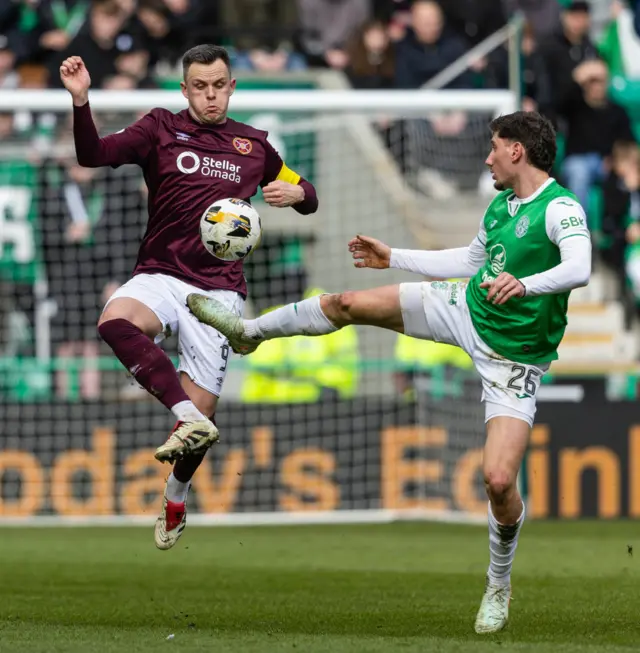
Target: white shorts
(438,311)
(203,352)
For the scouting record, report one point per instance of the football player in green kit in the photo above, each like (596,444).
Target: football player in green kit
(533,247)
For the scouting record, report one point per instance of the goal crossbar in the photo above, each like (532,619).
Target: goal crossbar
(405,102)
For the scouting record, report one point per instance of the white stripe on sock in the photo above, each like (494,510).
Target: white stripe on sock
(503,541)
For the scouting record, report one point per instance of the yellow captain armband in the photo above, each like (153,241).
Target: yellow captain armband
(288,175)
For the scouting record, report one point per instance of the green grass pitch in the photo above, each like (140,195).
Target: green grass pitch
(311,589)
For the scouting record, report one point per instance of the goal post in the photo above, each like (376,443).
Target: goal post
(356,433)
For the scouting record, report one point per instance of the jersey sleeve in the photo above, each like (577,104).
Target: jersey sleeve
(461,262)
(566,225)
(565,218)
(131,145)
(275,169)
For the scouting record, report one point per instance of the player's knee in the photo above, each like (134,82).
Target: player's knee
(143,319)
(499,484)
(114,312)
(339,308)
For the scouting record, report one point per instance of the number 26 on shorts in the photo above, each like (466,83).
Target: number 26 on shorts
(524,381)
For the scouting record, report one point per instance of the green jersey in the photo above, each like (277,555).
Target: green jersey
(521,237)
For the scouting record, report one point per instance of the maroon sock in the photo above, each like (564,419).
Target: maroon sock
(150,366)
(185,468)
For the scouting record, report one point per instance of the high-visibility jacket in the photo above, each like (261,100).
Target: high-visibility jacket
(296,369)
(415,354)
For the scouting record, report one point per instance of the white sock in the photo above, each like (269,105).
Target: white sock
(303,318)
(185,411)
(503,541)
(176,490)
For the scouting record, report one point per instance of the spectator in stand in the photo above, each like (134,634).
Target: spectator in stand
(621,220)
(185,17)
(425,147)
(620,45)
(270,59)
(168,27)
(474,19)
(566,49)
(134,63)
(8,75)
(15,45)
(263,32)
(594,124)
(542,15)
(372,66)
(429,46)
(325,28)
(396,14)
(59,22)
(100,42)
(159,36)
(371,58)
(536,85)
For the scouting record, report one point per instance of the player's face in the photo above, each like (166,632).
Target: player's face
(208,88)
(501,162)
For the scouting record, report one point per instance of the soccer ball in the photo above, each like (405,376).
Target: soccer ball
(230,229)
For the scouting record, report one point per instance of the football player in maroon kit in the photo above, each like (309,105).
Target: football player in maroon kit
(189,159)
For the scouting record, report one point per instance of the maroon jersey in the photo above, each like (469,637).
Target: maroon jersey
(187,166)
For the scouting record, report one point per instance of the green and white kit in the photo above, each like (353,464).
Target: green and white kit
(542,240)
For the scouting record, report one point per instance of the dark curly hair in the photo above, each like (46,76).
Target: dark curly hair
(534,131)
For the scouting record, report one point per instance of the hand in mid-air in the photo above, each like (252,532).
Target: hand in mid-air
(76,79)
(370,253)
(503,288)
(282,193)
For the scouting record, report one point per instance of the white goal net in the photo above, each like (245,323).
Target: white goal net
(358,427)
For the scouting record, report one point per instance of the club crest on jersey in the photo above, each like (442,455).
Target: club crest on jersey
(497,259)
(522,226)
(243,145)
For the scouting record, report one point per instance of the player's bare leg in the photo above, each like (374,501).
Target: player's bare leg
(316,316)
(173,516)
(129,327)
(507,439)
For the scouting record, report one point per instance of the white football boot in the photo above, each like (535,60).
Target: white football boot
(187,438)
(216,315)
(170,523)
(494,609)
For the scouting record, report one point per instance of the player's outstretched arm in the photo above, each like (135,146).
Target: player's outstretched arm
(370,253)
(132,145)
(461,262)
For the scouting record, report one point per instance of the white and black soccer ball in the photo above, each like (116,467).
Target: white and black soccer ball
(230,229)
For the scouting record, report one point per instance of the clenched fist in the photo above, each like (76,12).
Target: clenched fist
(281,193)
(370,253)
(76,79)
